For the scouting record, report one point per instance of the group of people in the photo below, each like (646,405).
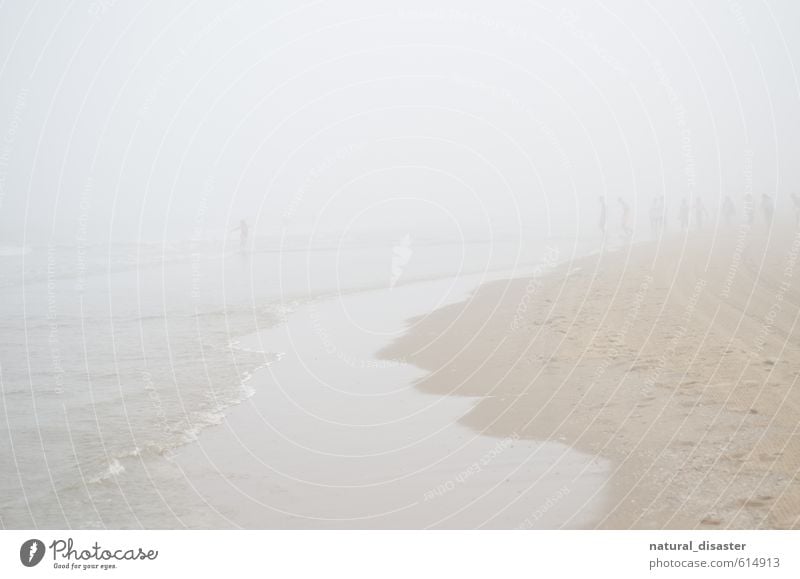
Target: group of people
(625,219)
(767,209)
(658,213)
(700,213)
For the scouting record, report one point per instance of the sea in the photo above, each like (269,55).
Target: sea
(115,358)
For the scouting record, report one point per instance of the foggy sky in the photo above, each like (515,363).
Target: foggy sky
(125,121)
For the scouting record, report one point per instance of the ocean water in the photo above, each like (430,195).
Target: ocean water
(336,438)
(113,358)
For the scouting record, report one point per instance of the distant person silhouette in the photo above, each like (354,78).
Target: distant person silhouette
(796,201)
(654,217)
(657,215)
(243,232)
(768,207)
(728,210)
(625,218)
(683,214)
(662,213)
(700,212)
(602,222)
(749,209)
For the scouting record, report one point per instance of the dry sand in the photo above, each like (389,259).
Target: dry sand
(677,360)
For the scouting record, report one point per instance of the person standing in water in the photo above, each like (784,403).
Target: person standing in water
(626,228)
(683,214)
(242,229)
(700,212)
(728,210)
(602,223)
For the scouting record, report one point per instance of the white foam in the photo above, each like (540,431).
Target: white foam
(114,469)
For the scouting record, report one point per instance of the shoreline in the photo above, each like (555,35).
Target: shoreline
(330,442)
(673,360)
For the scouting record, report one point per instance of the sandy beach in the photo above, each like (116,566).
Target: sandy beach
(676,360)
(336,438)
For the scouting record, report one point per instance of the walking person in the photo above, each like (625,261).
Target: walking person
(683,214)
(796,201)
(768,207)
(728,210)
(749,209)
(655,217)
(700,212)
(625,218)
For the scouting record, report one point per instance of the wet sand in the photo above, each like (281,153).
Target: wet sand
(676,361)
(334,437)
